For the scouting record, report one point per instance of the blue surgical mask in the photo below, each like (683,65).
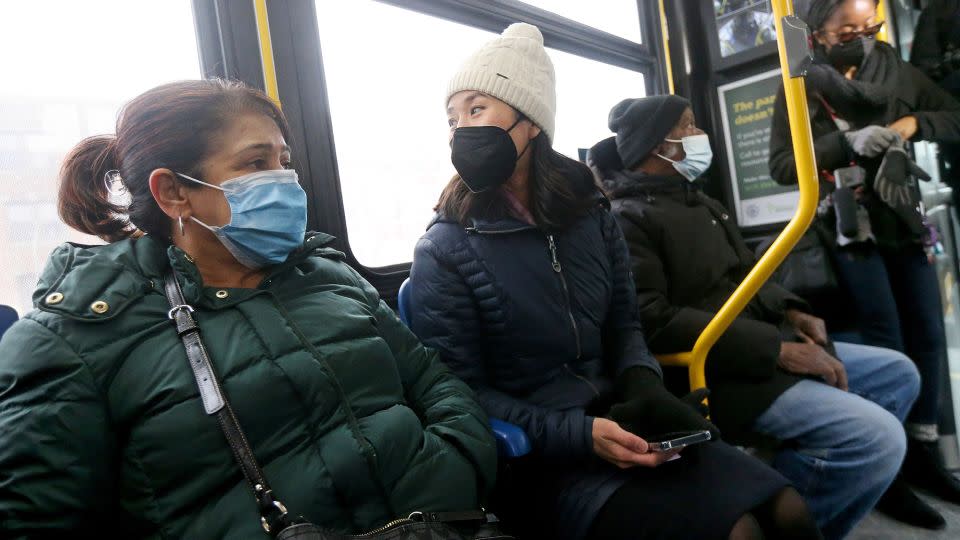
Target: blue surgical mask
(268,216)
(698,156)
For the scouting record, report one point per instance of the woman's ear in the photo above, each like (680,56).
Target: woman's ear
(818,36)
(533,131)
(169,193)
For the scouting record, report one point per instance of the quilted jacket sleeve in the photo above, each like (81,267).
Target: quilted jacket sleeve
(748,347)
(623,340)
(57,450)
(445,316)
(447,405)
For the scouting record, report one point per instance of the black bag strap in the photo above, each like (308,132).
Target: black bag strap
(273,514)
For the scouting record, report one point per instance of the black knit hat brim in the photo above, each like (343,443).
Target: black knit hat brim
(642,124)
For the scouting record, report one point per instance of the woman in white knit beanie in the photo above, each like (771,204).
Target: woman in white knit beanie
(522,284)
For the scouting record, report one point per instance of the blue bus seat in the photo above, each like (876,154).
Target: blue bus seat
(8,316)
(512,441)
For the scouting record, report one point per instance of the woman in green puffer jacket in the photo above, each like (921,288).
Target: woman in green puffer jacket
(102,429)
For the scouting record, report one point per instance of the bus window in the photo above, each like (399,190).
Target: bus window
(583,101)
(619,18)
(71,67)
(389,123)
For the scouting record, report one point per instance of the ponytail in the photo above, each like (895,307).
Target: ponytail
(171,126)
(84,199)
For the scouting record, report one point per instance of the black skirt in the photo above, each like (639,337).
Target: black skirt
(698,496)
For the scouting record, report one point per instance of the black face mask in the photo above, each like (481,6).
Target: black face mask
(851,53)
(484,156)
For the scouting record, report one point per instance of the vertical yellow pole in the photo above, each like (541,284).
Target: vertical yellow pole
(665,37)
(266,50)
(883,35)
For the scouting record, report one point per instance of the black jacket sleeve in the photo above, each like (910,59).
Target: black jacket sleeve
(831,149)
(446,317)
(753,346)
(623,340)
(926,52)
(937,112)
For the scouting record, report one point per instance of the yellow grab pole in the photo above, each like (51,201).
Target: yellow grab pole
(266,50)
(665,37)
(884,34)
(796,101)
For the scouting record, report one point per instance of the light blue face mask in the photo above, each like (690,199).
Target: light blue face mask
(698,156)
(268,216)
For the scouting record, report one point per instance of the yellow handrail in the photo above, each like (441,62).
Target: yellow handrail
(665,37)
(266,50)
(796,100)
(884,34)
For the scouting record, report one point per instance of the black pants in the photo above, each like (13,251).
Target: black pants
(897,296)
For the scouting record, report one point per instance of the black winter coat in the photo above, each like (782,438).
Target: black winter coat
(687,258)
(938,29)
(539,325)
(912,93)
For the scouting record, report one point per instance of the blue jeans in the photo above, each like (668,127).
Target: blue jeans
(843,449)
(897,296)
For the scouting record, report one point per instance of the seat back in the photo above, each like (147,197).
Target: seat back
(8,316)
(403,302)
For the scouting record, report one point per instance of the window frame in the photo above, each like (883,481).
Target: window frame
(227,41)
(229,48)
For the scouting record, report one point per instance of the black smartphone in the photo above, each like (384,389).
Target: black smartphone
(669,441)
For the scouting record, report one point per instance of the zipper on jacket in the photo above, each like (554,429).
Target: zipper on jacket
(566,291)
(582,378)
(474,230)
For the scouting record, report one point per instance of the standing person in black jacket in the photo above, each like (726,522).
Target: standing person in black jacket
(522,284)
(936,52)
(837,408)
(864,101)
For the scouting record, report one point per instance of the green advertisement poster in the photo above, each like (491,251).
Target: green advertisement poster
(746,108)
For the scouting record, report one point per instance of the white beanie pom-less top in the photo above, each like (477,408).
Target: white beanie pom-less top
(515,69)
(523,30)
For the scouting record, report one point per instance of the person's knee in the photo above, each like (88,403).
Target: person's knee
(885,443)
(867,437)
(746,528)
(905,371)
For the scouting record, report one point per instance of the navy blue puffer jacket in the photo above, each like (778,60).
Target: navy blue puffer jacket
(538,324)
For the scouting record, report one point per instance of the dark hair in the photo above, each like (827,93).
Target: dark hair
(561,189)
(821,10)
(171,126)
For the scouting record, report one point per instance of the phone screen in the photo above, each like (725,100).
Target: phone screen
(670,441)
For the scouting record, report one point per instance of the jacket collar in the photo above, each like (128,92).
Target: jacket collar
(504,225)
(96,283)
(624,184)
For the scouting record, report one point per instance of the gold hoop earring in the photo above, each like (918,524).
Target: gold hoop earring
(180,220)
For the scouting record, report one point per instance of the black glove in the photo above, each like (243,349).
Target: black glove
(696,400)
(648,408)
(896,185)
